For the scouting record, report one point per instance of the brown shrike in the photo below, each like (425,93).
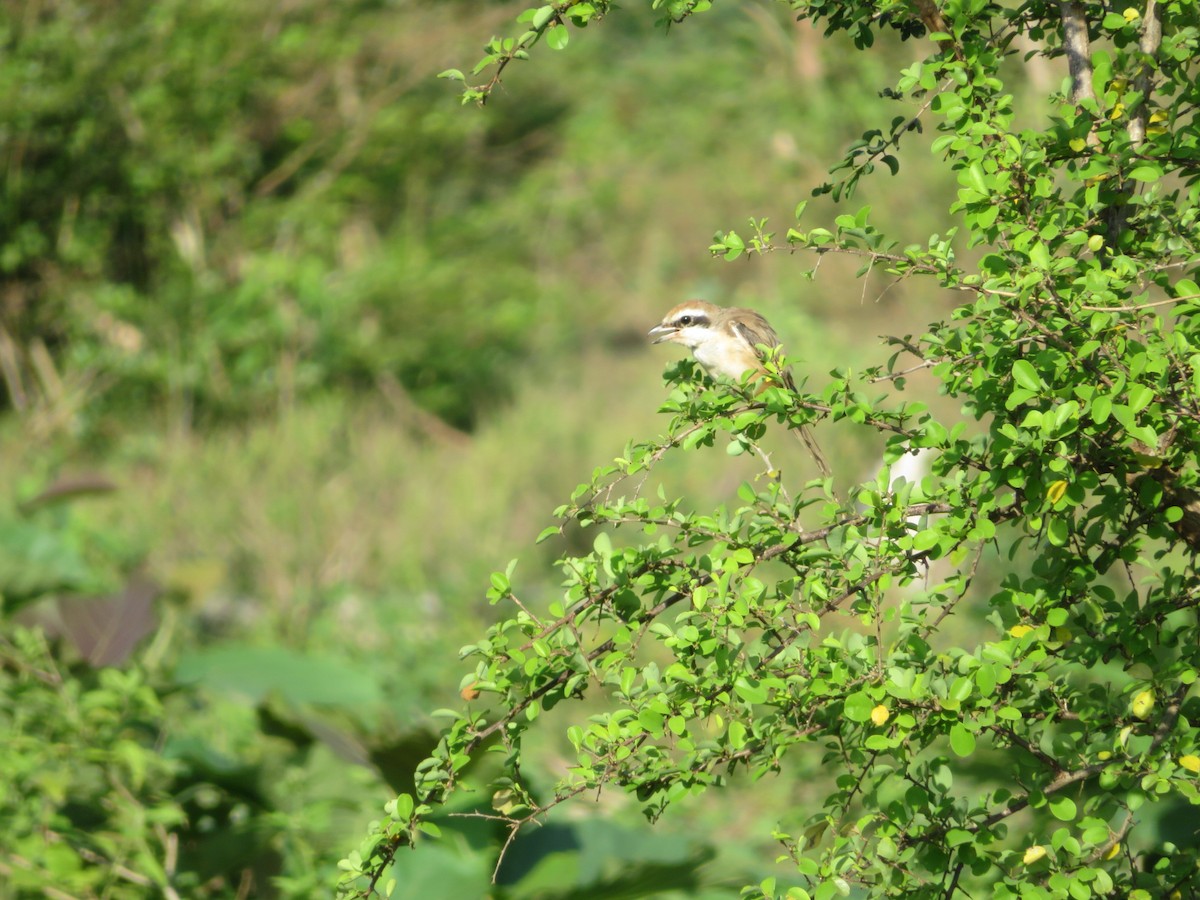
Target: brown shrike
(726,343)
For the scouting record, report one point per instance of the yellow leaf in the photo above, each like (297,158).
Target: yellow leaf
(1056,490)
(1033,854)
(1118,110)
(1077,144)
(1142,705)
(1113,851)
(1159,115)
(880,714)
(508,802)
(1190,762)
(1019,631)
(1131,14)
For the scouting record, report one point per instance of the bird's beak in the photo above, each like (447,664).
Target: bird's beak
(661,333)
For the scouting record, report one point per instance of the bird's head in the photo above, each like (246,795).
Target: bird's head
(691,324)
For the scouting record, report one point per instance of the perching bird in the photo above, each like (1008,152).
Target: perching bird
(725,342)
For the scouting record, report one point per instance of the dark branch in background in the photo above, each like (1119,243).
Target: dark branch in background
(1150,41)
(1079,52)
(1148,46)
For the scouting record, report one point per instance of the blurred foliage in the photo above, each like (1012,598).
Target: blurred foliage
(86,803)
(225,206)
(269,227)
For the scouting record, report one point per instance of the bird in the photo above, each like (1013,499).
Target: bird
(726,342)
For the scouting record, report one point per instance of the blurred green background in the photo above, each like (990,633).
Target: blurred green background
(295,351)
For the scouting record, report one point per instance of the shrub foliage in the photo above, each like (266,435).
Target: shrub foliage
(1003,735)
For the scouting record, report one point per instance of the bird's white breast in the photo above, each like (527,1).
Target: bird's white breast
(728,358)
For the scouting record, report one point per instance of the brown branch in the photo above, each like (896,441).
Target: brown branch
(1079,53)
(1148,46)
(931,18)
(954,881)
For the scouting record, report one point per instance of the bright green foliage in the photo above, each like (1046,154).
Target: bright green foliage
(1016,756)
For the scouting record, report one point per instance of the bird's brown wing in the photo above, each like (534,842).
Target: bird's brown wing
(756,331)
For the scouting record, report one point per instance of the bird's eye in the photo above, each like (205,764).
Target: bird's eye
(685,320)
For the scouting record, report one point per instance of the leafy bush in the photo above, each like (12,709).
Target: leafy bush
(1022,756)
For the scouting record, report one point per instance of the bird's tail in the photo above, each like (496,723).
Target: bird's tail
(814,449)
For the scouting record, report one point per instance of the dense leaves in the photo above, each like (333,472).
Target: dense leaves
(1016,756)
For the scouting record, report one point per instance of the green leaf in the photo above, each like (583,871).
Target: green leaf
(956,837)
(962,741)
(1026,376)
(751,691)
(1039,255)
(1063,808)
(402,807)
(1057,531)
(1139,397)
(1148,173)
(858,707)
(652,721)
(557,37)
(1185,287)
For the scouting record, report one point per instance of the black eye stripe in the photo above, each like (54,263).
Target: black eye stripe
(692,319)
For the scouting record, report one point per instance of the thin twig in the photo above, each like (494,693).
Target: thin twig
(1103,850)
(1138,306)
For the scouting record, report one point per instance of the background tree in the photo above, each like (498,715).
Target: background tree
(1017,757)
